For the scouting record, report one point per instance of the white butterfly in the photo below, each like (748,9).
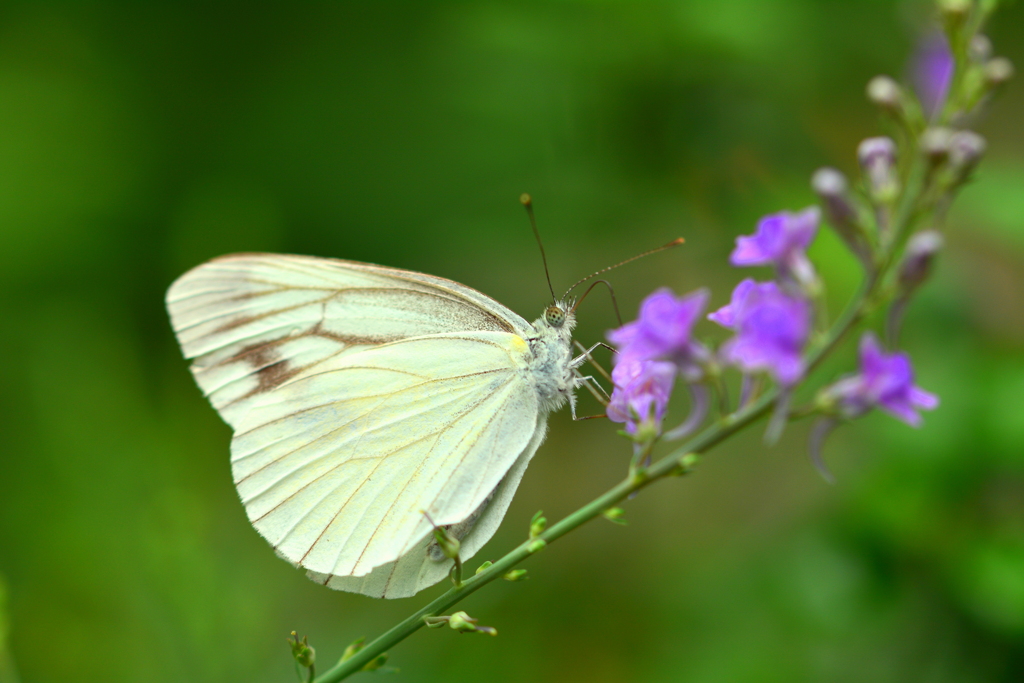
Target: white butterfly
(364,399)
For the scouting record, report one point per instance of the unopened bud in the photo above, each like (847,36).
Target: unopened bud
(486,565)
(965,151)
(885,93)
(997,71)
(463,623)
(689,461)
(302,651)
(515,575)
(877,151)
(448,544)
(460,621)
(918,258)
(954,12)
(878,159)
(538,524)
(935,143)
(980,49)
(831,186)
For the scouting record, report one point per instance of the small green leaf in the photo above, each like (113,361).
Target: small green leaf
(353,647)
(615,515)
(377,662)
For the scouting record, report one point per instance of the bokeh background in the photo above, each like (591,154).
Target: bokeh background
(140,139)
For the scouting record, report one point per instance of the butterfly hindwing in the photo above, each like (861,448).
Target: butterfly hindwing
(413,571)
(337,468)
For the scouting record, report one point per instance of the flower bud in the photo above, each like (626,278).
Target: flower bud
(965,151)
(878,159)
(448,544)
(515,575)
(486,565)
(918,258)
(997,71)
(885,93)
(538,524)
(980,49)
(831,186)
(460,621)
(463,623)
(954,12)
(303,653)
(935,143)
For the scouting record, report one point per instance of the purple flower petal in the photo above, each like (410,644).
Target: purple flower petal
(779,238)
(664,330)
(641,393)
(772,328)
(726,315)
(933,72)
(885,381)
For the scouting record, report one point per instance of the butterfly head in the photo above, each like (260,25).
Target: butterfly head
(555,315)
(559,316)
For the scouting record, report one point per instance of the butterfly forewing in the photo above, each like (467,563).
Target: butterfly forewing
(254,321)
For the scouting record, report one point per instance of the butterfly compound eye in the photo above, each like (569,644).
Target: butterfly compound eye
(554,316)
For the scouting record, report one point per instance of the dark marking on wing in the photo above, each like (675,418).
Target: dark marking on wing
(272,370)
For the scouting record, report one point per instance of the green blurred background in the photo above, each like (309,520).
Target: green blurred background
(140,139)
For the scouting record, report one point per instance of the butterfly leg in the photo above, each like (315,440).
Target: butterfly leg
(585,356)
(588,382)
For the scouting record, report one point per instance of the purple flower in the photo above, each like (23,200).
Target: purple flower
(663,331)
(641,393)
(781,240)
(885,381)
(771,330)
(932,72)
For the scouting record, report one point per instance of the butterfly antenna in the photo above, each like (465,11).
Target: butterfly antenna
(611,292)
(527,202)
(674,243)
